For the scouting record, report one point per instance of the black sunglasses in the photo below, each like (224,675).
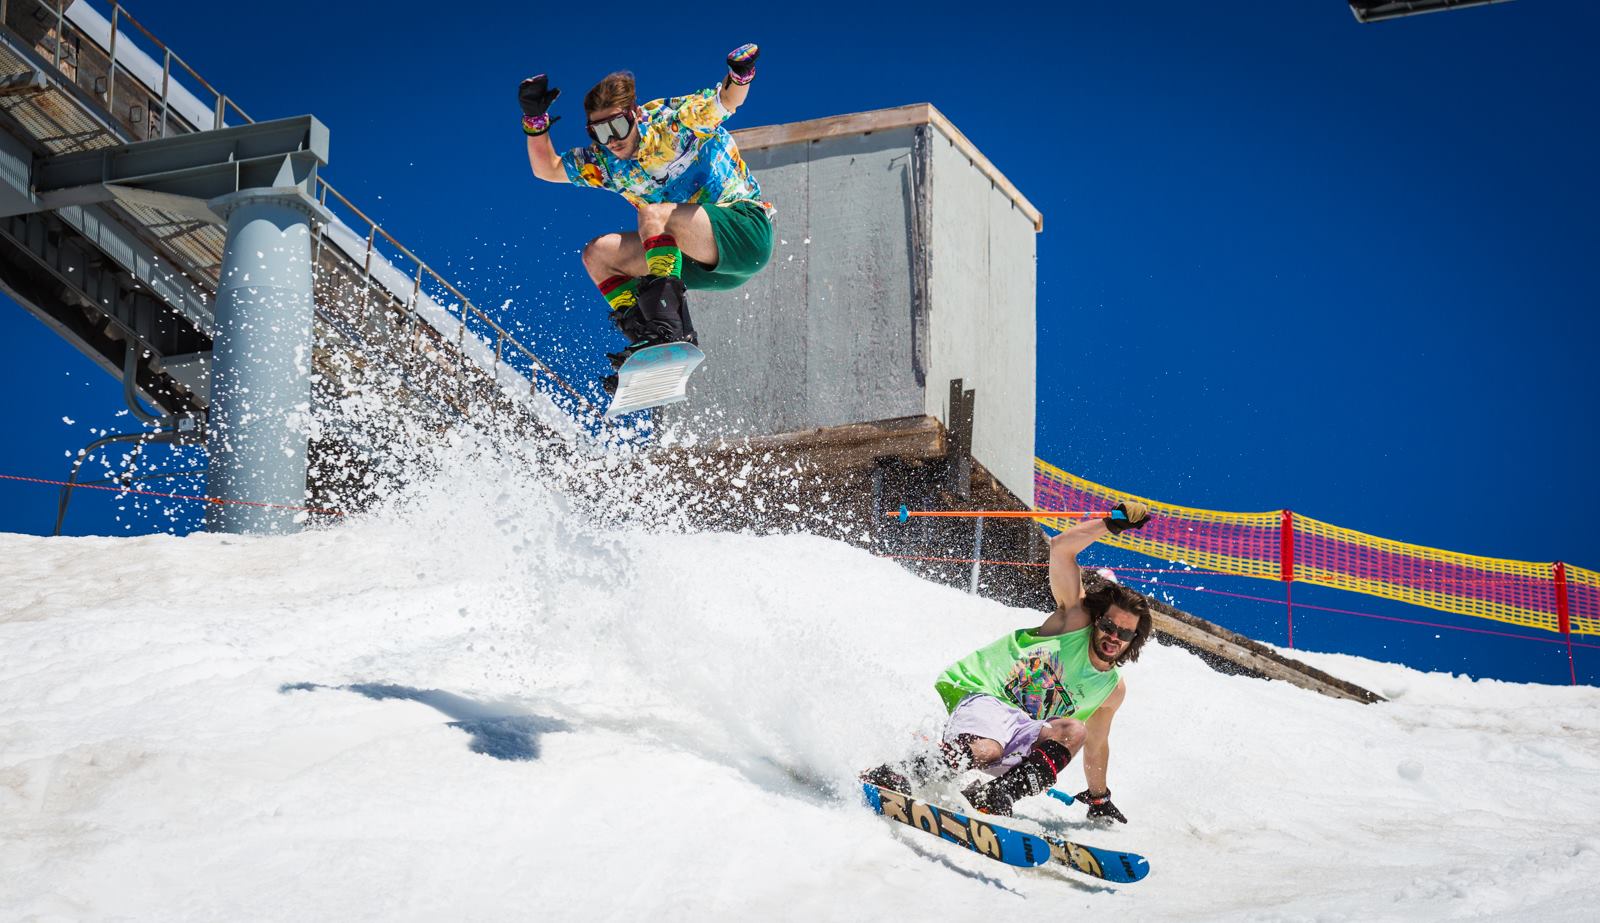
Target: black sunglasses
(607,130)
(1108,626)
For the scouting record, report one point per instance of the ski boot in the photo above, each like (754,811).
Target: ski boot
(949,761)
(1035,774)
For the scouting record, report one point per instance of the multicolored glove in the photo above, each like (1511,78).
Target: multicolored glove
(742,64)
(1134,516)
(1100,806)
(536,97)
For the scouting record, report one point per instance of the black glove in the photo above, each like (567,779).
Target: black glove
(1100,806)
(1134,516)
(742,63)
(535,96)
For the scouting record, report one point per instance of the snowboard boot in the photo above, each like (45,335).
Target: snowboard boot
(1035,774)
(665,309)
(949,761)
(630,320)
(660,315)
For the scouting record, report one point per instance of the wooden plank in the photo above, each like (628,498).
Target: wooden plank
(849,432)
(856,123)
(881,120)
(834,448)
(988,169)
(1261,661)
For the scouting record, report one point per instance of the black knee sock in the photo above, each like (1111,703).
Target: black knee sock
(1036,773)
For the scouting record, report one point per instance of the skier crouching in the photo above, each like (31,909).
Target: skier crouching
(702,222)
(1023,706)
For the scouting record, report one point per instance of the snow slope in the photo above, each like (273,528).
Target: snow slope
(485,706)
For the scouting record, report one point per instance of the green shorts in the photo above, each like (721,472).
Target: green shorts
(744,244)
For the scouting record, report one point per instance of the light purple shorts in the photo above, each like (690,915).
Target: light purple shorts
(987,716)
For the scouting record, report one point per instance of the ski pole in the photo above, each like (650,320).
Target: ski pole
(905,514)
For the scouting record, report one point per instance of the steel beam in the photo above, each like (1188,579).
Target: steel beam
(68,282)
(1379,10)
(182,173)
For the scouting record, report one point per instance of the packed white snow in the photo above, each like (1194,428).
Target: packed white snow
(486,707)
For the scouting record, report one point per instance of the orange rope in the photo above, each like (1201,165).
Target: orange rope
(153,493)
(999,514)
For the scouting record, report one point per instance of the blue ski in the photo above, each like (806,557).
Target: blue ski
(1005,844)
(1013,847)
(1109,864)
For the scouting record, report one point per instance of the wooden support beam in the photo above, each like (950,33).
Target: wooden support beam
(1251,655)
(959,457)
(833,449)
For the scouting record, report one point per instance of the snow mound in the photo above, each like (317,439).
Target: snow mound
(484,704)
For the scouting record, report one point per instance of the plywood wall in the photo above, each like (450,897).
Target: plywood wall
(981,312)
(839,328)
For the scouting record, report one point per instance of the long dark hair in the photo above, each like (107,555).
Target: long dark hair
(1099,601)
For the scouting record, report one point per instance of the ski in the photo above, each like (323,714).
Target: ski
(1013,847)
(1006,844)
(1107,864)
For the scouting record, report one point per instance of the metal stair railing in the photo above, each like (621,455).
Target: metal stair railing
(121,75)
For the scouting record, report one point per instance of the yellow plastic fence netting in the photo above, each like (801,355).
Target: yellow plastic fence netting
(1280,545)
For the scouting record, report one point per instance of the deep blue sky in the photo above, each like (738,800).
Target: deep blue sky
(1288,260)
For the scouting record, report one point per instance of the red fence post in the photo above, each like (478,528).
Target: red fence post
(1564,617)
(1286,569)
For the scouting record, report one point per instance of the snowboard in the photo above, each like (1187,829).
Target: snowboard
(1005,844)
(654,376)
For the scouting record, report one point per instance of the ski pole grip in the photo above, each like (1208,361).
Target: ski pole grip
(905,514)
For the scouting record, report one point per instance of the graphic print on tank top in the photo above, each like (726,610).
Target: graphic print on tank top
(1035,685)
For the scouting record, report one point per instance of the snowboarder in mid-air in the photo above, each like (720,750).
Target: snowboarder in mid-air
(702,221)
(1023,706)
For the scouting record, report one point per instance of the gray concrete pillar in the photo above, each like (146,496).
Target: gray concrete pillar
(261,362)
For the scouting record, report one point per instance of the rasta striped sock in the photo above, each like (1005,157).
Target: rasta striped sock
(621,292)
(662,255)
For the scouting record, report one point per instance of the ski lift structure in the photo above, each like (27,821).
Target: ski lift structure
(130,191)
(1379,10)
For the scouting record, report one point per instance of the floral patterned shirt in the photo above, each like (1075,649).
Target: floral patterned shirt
(685,155)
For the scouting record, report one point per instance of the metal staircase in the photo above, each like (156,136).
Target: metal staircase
(94,113)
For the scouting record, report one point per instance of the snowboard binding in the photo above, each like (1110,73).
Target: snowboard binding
(660,316)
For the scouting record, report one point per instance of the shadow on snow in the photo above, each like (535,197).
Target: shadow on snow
(495,730)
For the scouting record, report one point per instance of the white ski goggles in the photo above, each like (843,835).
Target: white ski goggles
(617,127)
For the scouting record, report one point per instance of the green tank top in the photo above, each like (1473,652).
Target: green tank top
(1045,677)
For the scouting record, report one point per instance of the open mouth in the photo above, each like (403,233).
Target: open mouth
(1110,646)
